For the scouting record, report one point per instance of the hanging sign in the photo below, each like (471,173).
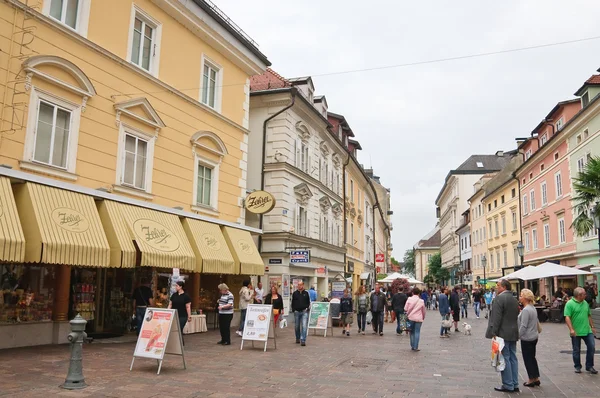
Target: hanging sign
(379,258)
(299,256)
(259,202)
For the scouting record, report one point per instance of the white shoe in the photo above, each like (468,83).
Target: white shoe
(238,333)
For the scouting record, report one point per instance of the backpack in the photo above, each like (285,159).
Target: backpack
(362,303)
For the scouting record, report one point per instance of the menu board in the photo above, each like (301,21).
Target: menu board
(154,335)
(258,321)
(319,315)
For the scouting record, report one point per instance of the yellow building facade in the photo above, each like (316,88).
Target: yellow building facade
(356,220)
(122,111)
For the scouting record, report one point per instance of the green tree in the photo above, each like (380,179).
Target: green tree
(436,272)
(409,262)
(587,196)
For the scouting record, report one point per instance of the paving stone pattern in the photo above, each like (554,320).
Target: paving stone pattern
(335,366)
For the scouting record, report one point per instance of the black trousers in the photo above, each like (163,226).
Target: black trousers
(182,322)
(225,327)
(528,348)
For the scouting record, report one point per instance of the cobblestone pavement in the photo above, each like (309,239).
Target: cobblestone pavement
(337,366)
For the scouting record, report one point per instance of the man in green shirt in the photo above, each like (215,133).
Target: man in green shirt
(581,327)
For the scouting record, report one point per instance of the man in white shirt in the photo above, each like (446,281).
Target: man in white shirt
(258,299)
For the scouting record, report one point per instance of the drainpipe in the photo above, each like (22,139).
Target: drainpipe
(293,92)
(344,217)
(375,237)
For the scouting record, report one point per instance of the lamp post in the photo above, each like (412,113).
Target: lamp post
(484,263)
(520,249)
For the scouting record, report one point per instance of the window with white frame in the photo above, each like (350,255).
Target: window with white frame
(210,86)
(532,201)
(205,179)
(544,190)
(498,264)
(581,164)
(525,206)
(534,238)
(528,154)
(562,237)
(558,180)
(302,222)
(515,254)
(527,246)
(491,260)
(491,231)
(144,39)
(560,123)
(65,11)
(505,258)
(52,135)
(546,235)
(593,232)
(514,220)
(543,140)
(497,229)
(503,224)
(302,155)
(135,161)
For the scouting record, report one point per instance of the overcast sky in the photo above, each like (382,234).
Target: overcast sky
(416,123)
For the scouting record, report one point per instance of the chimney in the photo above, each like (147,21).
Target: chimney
(500,154)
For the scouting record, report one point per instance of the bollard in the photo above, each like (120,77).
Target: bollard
(75,380)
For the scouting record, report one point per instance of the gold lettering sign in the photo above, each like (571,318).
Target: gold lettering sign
(211,242)
(245,247)
(70,220)
(155,235)
(259,202)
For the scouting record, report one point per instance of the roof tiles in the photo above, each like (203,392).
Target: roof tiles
(269,80)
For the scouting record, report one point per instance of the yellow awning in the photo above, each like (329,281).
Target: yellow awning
(211,249)
(60,226)
(246,255)
(12,240)
(159,237)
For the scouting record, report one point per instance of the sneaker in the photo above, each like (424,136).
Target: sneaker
(456,330)
(381,333)
(221,342)
(343,332)
(592,371)
(577,370)
(348,334)
(363,332)
(477,317)
(297,341)
(303,344)
(238,333)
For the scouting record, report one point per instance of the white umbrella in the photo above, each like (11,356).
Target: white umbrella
(545,270)
(414,281)
(392,277)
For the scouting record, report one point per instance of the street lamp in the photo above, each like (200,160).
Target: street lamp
(484,263)
(520,249)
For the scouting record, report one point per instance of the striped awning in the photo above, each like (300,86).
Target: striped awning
(244,251)
(159,237)
(12,240)
(212,252)
(60,226)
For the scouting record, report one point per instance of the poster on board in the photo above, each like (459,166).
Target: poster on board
(319,315)
(337,289)
(258,321)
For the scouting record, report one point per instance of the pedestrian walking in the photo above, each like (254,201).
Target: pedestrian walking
(246,295)
(444,305)
(503,323)
(346,309)
(362,307)
(181,302)
(415,312)
(389,313)
(300,306)
(477,297)
(225,307)
(528,333)
(142,299)
(578,317)
(455,307)
(378,307)
(434,301)
(489,298)
(465,300)
(398,303)
(274,299)
(259,293)
(312,293)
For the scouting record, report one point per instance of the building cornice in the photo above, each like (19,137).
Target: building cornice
(283,166)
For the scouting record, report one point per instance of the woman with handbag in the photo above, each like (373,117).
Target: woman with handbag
(274,299)
(362,308)
(346,311)
(415,312)
(529,329)
(444,305)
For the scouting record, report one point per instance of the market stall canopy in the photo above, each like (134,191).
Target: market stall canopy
(212,251)
(159,237)
(61,227)
(245,254)
(392,277)
(12,240)
(414,281)
(364,276)
(545,270)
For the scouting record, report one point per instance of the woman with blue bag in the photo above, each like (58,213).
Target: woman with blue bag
(444,305)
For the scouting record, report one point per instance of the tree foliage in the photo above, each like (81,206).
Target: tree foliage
(436,273)
(409,263)
(586,187)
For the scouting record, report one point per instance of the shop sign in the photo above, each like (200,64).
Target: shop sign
(259,202)
(155,235)
(321,271)
(299,256)
(275,261)
(245,247)
(211,242)
(70,220)
(379,258)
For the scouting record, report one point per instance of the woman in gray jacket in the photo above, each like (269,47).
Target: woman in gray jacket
(528,333)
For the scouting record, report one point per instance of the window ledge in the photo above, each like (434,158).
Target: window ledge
(590,238)
(209,211)
(48,170)
(133,192)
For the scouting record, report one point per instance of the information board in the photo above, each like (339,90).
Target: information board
(318,317)
(258,325)
(337,289)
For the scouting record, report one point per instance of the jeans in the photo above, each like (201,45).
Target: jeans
(510,374)
(477,309)
(139,318)
(242,320)
(224,327)
(591,347)
(463,310)
(415,334)
(398,315)
(528,349)
(301,324)
(362,321)
(434,304)
(377,321)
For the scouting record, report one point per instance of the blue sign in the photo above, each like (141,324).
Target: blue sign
(300,256)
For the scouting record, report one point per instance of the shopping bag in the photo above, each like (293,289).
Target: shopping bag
(403,324)
(446,322)
(283,323)
(497,357)
(369,317)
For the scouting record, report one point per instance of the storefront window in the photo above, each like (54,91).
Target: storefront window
(27,293)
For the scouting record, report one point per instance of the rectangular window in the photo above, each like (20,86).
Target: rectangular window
(210,82)
(497,229)
(495,203)
(558,180)
(585,99)
(489,207)
(502,199)
(498,264)
(543,140)
(544,189)
(352,241)
(513,192)
(134,165)
(580,164)
(527,247)
(65,11)
(142,48)
(52,135)
(525,206)
(532,202)
(491,232)
(546,235)
(491,260)
(562,237)
(351,190)
(514,220)
(503,225)
(593,231)
(204,185)
(560,123)
(304,157)
(534,238)
(302,221)
(505,258)
(528,154)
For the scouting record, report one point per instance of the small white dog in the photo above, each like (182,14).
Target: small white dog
(467,329)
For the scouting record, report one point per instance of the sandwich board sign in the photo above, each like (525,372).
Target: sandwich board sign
(319,317)
(258,325)
(160,335)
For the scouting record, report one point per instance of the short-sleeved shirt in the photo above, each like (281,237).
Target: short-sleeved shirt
(142,296)
(579,313)
(178,302)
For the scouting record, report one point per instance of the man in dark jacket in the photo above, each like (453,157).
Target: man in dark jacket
(300,306)
(455,307)
(398,302)
(378,306)
(503,323)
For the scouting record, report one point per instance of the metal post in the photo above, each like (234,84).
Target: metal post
(75,380)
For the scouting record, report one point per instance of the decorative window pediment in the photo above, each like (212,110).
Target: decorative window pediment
(352,213)
(325,203)
(337,209)
(303,131)
(359,219)
(210,142)
(324,148)
(336,160)
(303,192)
(140,110)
